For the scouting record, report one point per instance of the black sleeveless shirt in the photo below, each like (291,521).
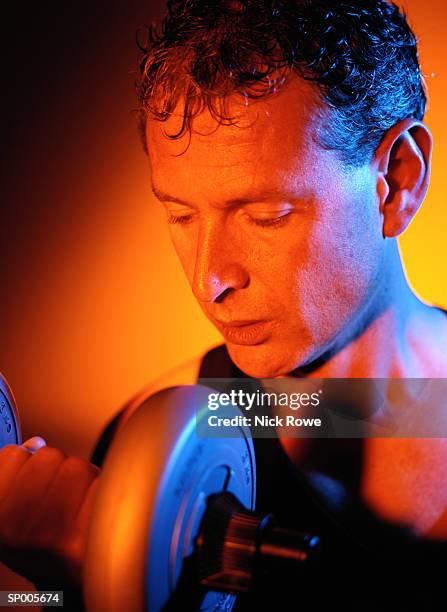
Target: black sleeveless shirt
(366,564)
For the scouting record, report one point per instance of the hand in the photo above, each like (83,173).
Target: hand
(45,505)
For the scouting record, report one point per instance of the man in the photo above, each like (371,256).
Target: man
(287,146)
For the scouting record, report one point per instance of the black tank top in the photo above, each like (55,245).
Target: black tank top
(366,565)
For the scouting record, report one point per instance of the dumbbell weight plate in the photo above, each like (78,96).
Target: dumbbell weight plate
(151,499)
(9,418)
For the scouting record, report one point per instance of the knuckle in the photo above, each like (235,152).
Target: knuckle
(49,454)
(74,464)
(11,451)
(73,550)
(75,467)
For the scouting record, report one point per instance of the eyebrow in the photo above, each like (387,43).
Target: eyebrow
(165,197)
(258,196)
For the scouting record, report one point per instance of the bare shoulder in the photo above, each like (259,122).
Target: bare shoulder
(405,481)
(184,374)
(428,340)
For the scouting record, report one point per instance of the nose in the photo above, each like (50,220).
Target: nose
(219,268)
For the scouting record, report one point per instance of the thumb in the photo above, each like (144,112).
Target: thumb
(33,444)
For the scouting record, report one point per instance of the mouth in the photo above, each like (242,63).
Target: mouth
(243,332)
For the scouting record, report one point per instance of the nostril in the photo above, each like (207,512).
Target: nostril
(220,298)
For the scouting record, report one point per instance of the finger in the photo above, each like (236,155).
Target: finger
(75,549)
(85,509)
(33,444)
(12,459)
(28,489)
(55,515)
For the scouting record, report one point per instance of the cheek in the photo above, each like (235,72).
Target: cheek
(184,244)
(333,265)
(344,255)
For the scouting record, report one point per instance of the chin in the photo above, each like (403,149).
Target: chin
(262,360)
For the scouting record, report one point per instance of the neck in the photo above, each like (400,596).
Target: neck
(394,336)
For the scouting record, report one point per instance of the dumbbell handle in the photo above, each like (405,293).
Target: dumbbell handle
(237,549)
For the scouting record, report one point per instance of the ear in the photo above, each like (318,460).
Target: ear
(403,162)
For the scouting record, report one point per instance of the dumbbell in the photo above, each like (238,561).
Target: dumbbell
(173,525)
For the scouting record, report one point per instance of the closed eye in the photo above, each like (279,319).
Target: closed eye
(268,217)
(255,215)
(179,219)
(277,221)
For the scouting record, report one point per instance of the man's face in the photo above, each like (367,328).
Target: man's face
(280,241)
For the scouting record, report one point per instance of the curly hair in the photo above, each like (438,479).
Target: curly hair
(361,55)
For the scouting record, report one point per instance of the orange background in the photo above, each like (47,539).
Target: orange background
(94,304)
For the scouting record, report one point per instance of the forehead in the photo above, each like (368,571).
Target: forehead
(273,141)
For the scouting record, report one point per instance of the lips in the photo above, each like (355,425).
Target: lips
(244,332)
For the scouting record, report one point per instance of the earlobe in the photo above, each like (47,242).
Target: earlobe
(398,214)
(402,161)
